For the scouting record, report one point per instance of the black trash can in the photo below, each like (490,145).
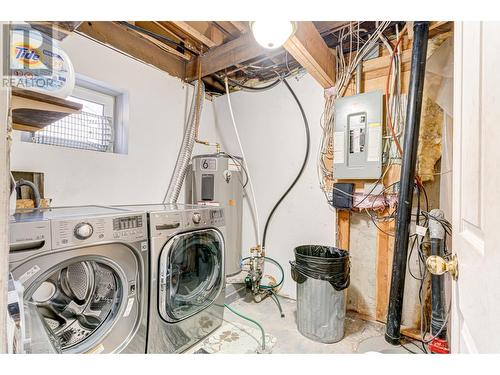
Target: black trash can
(322,275)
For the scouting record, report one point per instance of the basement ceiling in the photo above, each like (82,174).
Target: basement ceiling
(225,48)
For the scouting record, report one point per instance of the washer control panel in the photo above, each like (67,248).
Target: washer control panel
(29,236)
(83,231)
(166,223)
(127,227)
(196,217)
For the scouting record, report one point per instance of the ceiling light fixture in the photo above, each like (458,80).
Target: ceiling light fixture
(272,34)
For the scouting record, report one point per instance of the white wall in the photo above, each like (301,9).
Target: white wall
(273,136)
(157,110)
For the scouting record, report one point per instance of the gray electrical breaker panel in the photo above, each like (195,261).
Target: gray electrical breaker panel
(357,137)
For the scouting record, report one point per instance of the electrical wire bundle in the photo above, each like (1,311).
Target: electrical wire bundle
(395,103)
(346,65)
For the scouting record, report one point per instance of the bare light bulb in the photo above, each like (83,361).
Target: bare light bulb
(272,34)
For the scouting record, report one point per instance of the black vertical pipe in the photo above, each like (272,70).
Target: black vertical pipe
(417,75)
(438,317)
(437,236)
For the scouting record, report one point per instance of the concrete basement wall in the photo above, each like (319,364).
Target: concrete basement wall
(158,105)
(273,137)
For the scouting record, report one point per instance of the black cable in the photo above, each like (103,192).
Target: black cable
(302,168)
(407,349)
(158,37)
(261,88)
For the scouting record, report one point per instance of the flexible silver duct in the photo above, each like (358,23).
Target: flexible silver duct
(186,150)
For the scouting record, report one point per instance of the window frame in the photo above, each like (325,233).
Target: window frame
(115,104)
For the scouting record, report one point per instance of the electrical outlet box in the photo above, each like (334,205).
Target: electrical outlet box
(357,138)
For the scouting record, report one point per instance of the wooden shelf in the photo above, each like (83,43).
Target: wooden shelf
(32,111)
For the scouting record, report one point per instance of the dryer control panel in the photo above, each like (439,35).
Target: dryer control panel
(124,228)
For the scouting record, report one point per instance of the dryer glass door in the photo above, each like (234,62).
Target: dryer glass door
(191,273)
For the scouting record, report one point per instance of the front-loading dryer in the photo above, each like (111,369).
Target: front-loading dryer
(86,270)
(187,283)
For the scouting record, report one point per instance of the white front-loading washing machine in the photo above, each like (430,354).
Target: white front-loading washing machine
(86,271)
(187,282)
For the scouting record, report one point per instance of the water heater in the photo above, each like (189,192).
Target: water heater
(216,180)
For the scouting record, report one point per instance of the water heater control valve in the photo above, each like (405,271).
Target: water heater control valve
(83,231)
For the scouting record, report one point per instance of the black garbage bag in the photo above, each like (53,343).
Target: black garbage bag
(323,263)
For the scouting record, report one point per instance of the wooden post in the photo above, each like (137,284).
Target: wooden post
(383,275)
(343,229)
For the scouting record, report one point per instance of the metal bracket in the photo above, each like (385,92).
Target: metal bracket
(437,265)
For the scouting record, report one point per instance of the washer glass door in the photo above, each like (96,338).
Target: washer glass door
(77,300)
(191,273)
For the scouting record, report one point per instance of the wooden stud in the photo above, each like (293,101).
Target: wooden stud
(133,44)
(310,50)
(383,276)
(343,229)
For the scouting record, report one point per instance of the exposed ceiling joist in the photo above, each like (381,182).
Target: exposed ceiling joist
(242,26)
(202,31)
(310,50)
(165,46)
(133,44)
(326,26)
(229,28)
(228,54)
(57,29)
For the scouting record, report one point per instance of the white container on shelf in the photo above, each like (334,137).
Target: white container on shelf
(38,63)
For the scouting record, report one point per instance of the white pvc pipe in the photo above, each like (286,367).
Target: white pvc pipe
(252,191)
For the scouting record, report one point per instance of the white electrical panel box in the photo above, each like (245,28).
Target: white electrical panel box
(357,137)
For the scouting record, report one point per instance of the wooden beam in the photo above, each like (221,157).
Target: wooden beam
(202,31)
(133,44)
(310,50)
(343,229)
(230,28)
(165,46)
(154,27)
(242,26)
(228,54)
